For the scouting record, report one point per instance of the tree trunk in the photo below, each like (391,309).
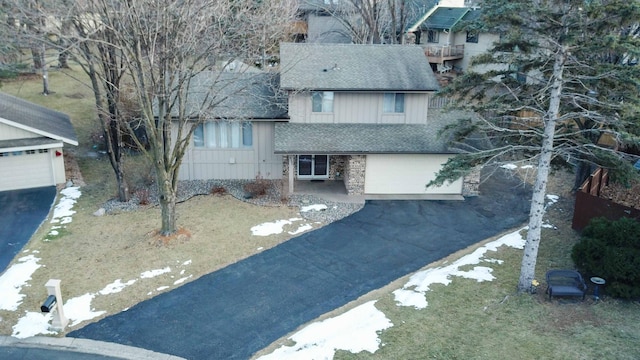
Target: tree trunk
(38,57)
(167,196)
(530,256)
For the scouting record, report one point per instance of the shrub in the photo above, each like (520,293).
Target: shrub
(218,190)
(611,250)
(257,187)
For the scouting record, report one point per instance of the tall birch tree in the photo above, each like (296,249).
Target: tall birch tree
(562,75)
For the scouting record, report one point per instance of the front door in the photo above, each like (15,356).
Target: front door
(313,167)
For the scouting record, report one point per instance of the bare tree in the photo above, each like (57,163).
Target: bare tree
(165,45)
(370,21)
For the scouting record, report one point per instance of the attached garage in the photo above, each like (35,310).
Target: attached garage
(31,144)
(406,174)
(28,170)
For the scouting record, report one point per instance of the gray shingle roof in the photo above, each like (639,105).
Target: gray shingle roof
(300,138)
(350,67)
(247,95)
(37,119)
(305,138)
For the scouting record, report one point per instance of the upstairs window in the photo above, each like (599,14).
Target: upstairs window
(393,103)
(322,101)
(223,134)
(472,37)
(433,36)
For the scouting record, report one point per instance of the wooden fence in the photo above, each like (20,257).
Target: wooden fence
(590,205)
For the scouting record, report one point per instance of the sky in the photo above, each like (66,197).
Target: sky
(355,330)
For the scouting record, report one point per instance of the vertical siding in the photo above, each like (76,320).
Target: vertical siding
(240,163)
(10,132)
(485,41)
(359,108)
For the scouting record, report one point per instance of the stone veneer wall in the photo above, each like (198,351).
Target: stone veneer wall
(471,183)
(354,174)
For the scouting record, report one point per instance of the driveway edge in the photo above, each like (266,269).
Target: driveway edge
(85,346)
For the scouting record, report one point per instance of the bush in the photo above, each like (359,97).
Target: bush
(611,250)
(258,187)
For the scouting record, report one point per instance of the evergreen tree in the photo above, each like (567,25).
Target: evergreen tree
(561,80)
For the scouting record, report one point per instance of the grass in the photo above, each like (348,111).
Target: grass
(489,320)
(464,320)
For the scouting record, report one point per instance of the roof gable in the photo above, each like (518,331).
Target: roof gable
(351,67)
(37,119)
(444,18)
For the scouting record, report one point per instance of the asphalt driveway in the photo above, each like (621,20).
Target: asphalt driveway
(234,312)
(21,213)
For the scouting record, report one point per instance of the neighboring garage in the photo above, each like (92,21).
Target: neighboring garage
(31,144)
(406,174)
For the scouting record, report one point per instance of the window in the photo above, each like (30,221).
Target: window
(30,152)
(223,134)
(393,103)
(322,101)
(433,36)
(472,37)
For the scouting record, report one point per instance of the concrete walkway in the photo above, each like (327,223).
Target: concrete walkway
(238,310)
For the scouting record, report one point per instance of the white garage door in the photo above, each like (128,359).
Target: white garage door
(22,170)
(406,174)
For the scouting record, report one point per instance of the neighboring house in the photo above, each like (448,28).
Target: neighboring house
(236,140)
(446,48)
(317,23)
(359,114)
(31,142)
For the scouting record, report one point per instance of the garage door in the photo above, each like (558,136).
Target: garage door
(23,170)
(406,174)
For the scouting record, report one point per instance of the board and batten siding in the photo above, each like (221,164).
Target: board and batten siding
(240,163)
(11,132)
(359,108)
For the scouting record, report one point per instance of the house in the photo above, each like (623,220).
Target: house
(31,144)
(359,114)
(236,139)
(446,47)
(318,21)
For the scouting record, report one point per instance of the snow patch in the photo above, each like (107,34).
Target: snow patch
(154,273)
(13,279)
(354,331)
(272,228)
(412,293)
(314,207)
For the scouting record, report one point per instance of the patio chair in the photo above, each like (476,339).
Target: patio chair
(565,283)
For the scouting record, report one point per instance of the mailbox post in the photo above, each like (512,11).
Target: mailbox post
(59,320)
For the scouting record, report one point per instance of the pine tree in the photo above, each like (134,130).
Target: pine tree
(561,79)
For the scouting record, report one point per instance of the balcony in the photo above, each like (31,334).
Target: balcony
(438,54)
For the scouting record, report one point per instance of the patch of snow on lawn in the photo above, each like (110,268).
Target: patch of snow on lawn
(181,280)
(509,166)
(79,309)
(13,279)
(116,287)
(62,212)
(354,331)
(314,207)
(32,324)
(272,228)
(413,292)
(302,228)
(154,273)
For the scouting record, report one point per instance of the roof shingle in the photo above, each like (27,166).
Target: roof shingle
(350,67)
